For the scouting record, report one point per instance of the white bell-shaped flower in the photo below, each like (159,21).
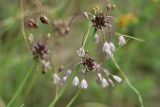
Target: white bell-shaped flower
(104,83)
(75,81)
(81,52)
(112,47)
(84,84)
(117,78)
(56,79)
(121,40)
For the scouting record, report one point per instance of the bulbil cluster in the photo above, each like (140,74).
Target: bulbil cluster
(40,51)
(39,48)
(100,21)
(87,65)
(103,21)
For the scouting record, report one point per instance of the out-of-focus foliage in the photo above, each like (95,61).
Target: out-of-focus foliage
(139,60)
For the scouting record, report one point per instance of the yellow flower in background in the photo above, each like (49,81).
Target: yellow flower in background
(126,19)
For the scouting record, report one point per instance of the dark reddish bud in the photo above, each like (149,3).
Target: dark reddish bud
(44,19)
(60,69)
(31,23)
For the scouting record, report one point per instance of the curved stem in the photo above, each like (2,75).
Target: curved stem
(85,40)
(128,82)
(22,25)
(52,104)
(30,86)
(55,99)
(89,36)
(21,86)
(73,99)
(141,40)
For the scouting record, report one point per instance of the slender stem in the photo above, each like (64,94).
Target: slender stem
(31,84)
(55,99)
(21,86)
(85,40)
(57,88)
(73,99)
(52,104)
(141,40)
(128,82)
(22,25)
(89,36)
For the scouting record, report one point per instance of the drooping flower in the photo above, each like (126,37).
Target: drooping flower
(81,52)
(46,66)
(104,83)
(96,39)
(68,73)
(99,76)
(64,78)
(75,81)
(112,47)
(107,50)
(122,40)
(84,84)
(106,47)
(117,78)
(56,79)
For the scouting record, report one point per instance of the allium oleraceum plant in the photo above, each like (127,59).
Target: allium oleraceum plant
(76,75)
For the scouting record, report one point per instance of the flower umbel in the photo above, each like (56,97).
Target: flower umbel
(88,64)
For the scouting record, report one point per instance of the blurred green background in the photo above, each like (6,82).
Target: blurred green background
(139,60)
